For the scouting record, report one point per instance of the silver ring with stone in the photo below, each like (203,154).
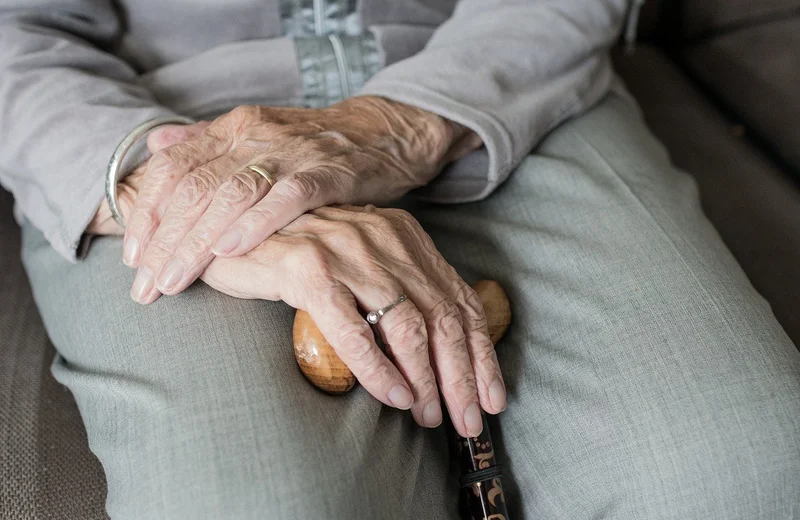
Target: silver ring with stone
(375,316)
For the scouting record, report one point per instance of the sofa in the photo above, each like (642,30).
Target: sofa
(716,80)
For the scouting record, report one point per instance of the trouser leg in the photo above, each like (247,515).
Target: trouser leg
(196,408)
(647,378)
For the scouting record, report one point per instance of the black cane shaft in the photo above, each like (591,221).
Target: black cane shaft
(482,496)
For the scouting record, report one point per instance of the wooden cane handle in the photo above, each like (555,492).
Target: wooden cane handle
(320,364)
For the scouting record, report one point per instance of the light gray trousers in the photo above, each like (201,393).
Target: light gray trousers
(647,379)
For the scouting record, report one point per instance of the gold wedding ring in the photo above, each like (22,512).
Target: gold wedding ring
(264,173)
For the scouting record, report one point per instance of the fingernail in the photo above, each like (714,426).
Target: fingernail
(497,395)
(473,420)
(227,242)
(142,284)
(432,414)
(401,397)
(171,275)
(130,255)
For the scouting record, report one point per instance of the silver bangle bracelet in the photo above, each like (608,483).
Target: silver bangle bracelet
(113,173)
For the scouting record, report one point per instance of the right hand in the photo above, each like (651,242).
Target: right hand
(336,259)
(164,136)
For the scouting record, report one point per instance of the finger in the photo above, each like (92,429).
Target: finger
(167,135)
(235,195)
(406,339)
(164,171)
(258,276)
(446,338)
(191,198)
(287,200)
(448,351)
(338,319)
(488,376)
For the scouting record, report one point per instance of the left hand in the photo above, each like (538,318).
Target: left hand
(334,260)
(199,199)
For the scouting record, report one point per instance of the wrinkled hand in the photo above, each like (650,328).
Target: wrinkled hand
(199,199)
(103,222)
(334,260)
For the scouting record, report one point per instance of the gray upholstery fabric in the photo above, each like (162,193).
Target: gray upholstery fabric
(701,17)
(756,72)
(754,205)
(46,469)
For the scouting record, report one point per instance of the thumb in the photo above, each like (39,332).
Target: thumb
(167,135)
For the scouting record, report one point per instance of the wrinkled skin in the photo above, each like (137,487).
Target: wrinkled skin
(332,261)
(198,199)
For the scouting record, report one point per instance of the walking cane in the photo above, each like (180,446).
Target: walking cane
(481,486)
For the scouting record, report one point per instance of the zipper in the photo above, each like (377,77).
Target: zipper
(632,25)
(341,63)
(319,17)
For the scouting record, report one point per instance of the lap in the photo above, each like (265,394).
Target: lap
(196,408)
(646,377)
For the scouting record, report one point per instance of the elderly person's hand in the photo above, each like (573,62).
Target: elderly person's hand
(103,222)
(198,198)
(333,261)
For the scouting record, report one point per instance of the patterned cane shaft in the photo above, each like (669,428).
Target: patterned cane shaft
(482,495)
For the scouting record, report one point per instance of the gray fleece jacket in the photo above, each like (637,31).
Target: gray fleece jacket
(77,75)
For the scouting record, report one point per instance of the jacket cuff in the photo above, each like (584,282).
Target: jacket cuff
(474,176)
(71,240)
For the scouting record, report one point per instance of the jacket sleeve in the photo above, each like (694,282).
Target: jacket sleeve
(64,106)
(510,70)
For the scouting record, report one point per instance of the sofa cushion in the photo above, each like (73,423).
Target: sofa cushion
(753,203)
(756,73)
(46,468)
(704,17)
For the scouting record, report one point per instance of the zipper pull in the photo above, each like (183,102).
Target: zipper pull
(632,25)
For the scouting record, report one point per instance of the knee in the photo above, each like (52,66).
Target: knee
(742,461)
(728,452)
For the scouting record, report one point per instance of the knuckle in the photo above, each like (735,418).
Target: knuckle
(447,318)
(299,187)
(171,158)
(356,341)
(193,189)
(448,327)
(474,317)
(380,224)
(256,216)
(172,133)
(485,359)
(144,220)
(331,139)
(157,251)
(475,323)
(239,188)
(464,385)
(426,386)
(376,370)
(244,113)
(348,234)
(310,257)
(410,336)
(195,248)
